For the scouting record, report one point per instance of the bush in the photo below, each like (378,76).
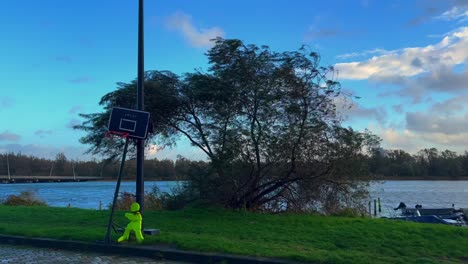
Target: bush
(157,200)
(28,198)
(124,201)
(179,197)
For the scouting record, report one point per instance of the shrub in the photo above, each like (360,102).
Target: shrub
(28,198)
(124,201)
(348,212)
(177,199)
(157,200)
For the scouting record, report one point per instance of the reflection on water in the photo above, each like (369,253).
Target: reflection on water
(429,194)
(80,194)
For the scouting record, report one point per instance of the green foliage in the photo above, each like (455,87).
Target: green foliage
(426,163)
(160,100)
(300,237)
(266,121)
(126,199)
(157,200)
(348,212)
(27,198)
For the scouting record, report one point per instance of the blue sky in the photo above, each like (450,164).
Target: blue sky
(407,60)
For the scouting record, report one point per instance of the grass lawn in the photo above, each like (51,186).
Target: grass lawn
(308,238)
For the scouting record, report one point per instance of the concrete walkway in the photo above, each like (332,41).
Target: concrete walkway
(28,255)
(149,252)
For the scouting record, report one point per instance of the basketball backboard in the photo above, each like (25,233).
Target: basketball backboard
(131,121)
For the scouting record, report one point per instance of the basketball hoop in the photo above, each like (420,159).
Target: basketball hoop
(111,134)
(130,123)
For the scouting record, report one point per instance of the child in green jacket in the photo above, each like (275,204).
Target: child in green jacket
(134,225)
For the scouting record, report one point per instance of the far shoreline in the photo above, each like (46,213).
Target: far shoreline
(426,178)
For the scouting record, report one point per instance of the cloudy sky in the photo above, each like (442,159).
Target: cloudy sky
(405,59)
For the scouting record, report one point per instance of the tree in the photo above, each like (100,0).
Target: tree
(450,165)
(160,100)
(60,164)
(400,163)
(266,121)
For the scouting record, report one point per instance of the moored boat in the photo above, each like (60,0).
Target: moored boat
(448,216)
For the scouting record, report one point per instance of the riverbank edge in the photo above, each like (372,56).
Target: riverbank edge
(153,252)
(404,178)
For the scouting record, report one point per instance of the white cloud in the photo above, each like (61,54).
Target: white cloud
(450,51)
(398,139)
(443,125)
(456,13)
(197,37)
(351,110)
(451,107)
(454,142)
(433,122)
(8,136)
(376,51)
(413,141)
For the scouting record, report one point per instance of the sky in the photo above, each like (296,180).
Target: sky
(405,60)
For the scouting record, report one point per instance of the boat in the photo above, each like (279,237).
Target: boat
(448,216)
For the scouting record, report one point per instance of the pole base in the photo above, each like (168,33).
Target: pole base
(151,231)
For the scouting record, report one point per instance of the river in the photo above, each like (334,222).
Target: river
(90,194)
(80,194)
(429,194)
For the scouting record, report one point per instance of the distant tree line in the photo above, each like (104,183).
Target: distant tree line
(20,164)
(426,163)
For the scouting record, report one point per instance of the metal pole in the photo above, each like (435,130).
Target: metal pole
(140,184)
(102,167)
(380,206)
(107,240)
(51,168)
(73,167)
(8,166)
(375,207)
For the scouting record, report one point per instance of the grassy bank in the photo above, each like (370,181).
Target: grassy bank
(306,238)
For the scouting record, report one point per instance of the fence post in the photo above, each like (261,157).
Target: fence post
(375,207)
(380,206)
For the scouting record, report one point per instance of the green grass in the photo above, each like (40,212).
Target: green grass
(308,238)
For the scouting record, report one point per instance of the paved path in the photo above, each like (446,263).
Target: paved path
(29,255)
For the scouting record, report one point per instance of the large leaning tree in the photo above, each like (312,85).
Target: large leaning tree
(267,122)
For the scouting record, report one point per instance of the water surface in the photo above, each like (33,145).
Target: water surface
(426,193)
(90,194)
(80,194)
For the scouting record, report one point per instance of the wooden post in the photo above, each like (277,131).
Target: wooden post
(51,168)
(380,206)
(73,168)
(375,207)
(8,167)
(370,210)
